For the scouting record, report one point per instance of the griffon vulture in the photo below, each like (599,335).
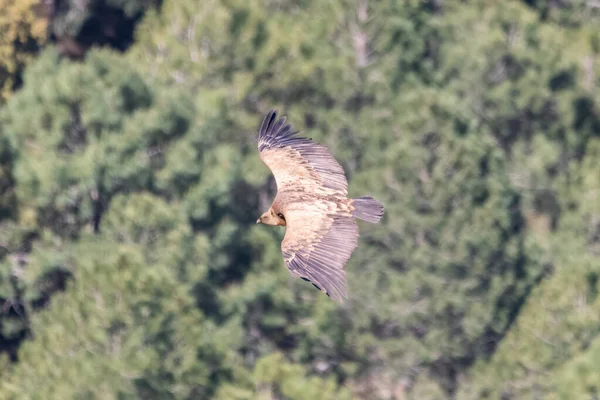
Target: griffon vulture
(312,203)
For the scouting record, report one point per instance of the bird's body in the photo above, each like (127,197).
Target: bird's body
(291,200)
(312,202)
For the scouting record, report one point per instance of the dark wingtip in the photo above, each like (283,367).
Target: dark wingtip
(267,121)
(273,129)
(339,299)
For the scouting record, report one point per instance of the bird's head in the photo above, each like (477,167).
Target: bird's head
(271,218)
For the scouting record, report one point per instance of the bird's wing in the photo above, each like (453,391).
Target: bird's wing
(317,244)
(298,162)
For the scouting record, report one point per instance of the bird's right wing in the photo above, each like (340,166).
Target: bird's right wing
(298,162)
(318,243)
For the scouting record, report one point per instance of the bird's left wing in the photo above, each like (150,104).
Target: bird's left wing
(298,162)
(318,243)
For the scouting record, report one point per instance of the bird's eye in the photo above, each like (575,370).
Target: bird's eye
(280,215)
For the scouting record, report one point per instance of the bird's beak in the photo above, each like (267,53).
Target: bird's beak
(258,221)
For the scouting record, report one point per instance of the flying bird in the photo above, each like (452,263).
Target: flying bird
(312,203)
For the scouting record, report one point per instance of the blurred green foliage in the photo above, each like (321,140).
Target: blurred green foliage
(130,264)
(24,28)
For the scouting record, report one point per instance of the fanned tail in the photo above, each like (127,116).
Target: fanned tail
(368,209)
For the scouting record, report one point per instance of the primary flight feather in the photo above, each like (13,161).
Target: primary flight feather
(311,202)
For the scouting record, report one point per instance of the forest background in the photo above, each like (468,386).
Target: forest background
(130,263)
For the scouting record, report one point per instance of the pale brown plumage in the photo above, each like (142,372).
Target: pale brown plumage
(321,232)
